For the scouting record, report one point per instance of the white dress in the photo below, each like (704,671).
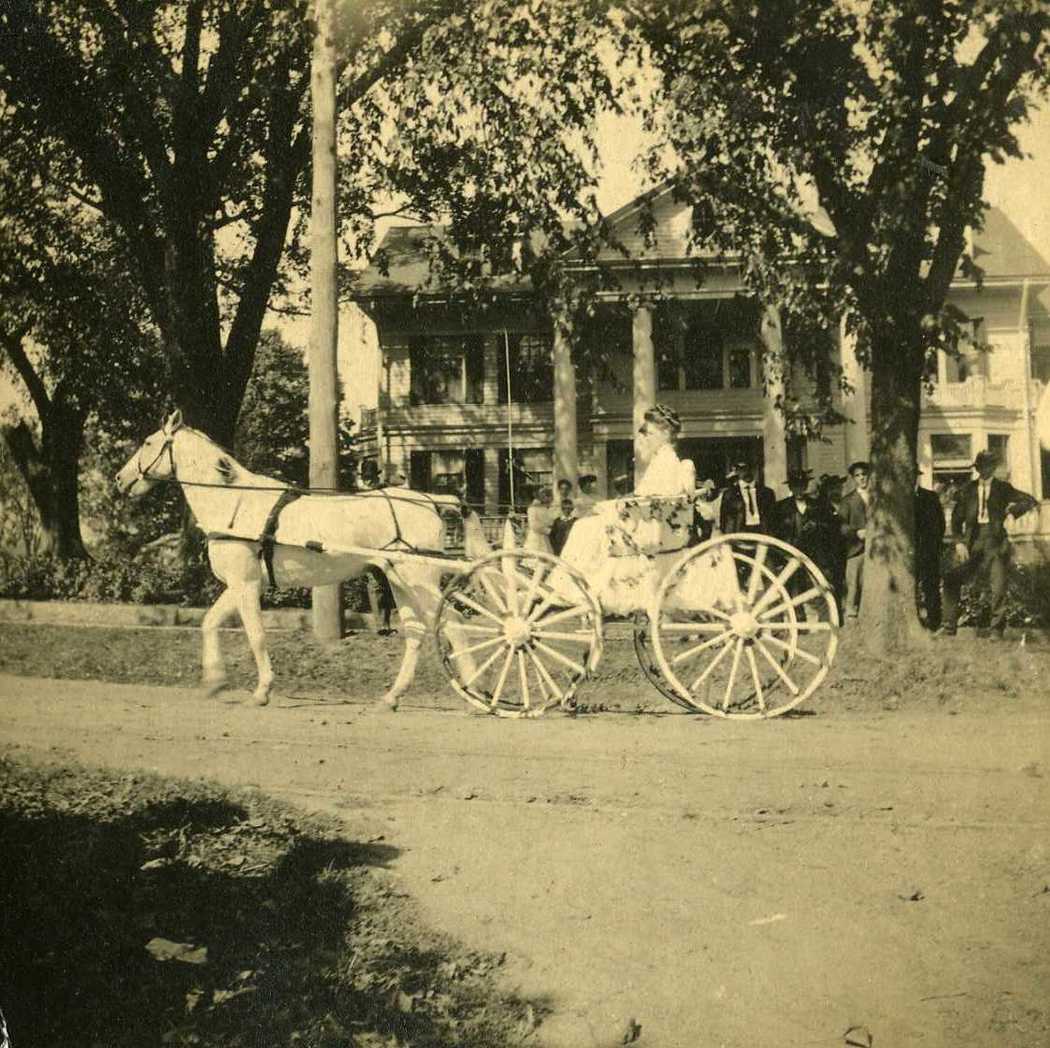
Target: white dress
(623,548)
(667,475)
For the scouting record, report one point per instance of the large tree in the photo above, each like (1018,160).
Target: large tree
(185,123)
(72,335)
(888,111)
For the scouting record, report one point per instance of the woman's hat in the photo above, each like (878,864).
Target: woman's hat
(860,465)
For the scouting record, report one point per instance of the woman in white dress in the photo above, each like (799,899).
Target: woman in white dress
(666,474)
(622,578)
(540,517)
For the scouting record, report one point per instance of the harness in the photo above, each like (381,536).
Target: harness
(267,540)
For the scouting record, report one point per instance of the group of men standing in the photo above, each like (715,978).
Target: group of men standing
(833,533)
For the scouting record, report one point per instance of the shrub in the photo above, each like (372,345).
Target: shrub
(1027,598)
(111,578)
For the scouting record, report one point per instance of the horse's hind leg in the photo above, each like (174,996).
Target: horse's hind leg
(213,670)
(249,601)
(417,599)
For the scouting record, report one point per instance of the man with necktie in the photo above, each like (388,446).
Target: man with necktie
(854,513)
(747,506)
(982,543)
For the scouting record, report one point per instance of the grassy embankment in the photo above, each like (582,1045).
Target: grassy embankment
(138,910)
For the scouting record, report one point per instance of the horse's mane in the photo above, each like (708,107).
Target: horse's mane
(230,471)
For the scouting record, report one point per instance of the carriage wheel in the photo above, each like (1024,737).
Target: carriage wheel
(518,633)
(643,650)
(744,626)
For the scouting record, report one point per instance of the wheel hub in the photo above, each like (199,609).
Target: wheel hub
(744,625)
(517,631)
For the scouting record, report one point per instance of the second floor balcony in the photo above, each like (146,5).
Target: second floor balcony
(978,393)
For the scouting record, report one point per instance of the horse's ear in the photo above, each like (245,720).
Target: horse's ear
(173,422)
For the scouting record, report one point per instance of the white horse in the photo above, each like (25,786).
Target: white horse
(318,540)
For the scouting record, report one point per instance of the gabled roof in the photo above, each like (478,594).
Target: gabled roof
(1000,249)
(403,250)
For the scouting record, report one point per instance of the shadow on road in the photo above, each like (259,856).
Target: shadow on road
(138,911)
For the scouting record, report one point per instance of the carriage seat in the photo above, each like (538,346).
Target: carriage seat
(645,525)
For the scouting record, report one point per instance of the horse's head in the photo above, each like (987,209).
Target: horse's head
(153,462)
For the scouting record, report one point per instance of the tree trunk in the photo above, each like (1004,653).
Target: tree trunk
(51,472)
(888,607)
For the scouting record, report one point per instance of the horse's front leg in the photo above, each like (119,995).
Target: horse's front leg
(249,597)
(213,670)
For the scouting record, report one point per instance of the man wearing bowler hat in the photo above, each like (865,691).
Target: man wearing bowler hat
(746,504)
(853,510)
(981,543)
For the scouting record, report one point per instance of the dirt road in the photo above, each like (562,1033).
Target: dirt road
(722,884)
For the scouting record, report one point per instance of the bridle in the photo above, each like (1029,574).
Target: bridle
(144,471)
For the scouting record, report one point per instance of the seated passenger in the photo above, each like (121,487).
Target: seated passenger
(666,473)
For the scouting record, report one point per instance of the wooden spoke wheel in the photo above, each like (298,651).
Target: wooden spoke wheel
(519,632)
(744,626)
(643,650)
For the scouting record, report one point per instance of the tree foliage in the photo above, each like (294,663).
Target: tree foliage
(885,114)
(71,321)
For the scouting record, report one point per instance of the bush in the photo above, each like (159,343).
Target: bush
(1027,598)
(146,579)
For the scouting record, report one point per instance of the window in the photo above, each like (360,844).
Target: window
(1041,363)
(702,357)
(971,360)
(530,366)
(619,459)
(533,468)
(449,471)
(952,457)
(999,445)
(446,369)
(713,347)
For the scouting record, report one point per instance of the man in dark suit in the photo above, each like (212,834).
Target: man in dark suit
(808,524)
(746,504)
(853,511)
(805,522)
(929,539)
(982,544)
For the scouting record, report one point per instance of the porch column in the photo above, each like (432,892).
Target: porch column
(565,456)
(855,404)
(1033,479)
(644,372)
(774,433)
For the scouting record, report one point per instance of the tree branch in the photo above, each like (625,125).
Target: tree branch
(12,343)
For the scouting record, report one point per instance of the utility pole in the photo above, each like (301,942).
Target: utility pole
(324,390)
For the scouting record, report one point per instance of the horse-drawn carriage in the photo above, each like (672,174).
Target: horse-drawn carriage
(741,626)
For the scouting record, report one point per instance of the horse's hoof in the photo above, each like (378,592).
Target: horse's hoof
(212,686)
(390,704)
(261,699)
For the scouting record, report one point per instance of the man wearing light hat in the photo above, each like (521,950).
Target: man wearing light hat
(982,543)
